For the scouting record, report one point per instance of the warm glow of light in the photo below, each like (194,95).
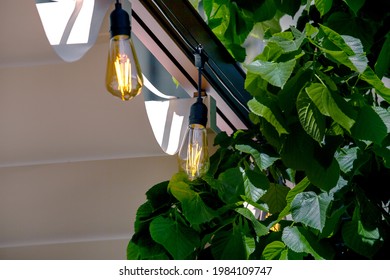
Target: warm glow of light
(123,73)
(194,159)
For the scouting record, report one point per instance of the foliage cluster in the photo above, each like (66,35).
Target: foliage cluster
(310,178)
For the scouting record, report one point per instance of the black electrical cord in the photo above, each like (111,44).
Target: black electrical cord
(198,112)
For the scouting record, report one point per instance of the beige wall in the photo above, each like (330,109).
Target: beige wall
(79,210)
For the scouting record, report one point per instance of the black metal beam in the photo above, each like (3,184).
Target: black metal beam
(187,29)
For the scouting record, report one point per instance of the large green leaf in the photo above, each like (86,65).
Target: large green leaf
(361,240)
(288,7)
(265,11)
(263,161)
(312,121)
(270,113)
(370,77)
(298,149)
(298,188)
(384,115)
(146,249)
(254,84)
(194,209)
(323,177)
(311,209)
(285,41)
(144,213)
(288,95)
(369,126)
(230,185)
(273,250)
(169,233)
(355,5)
(158,195)
(346,23)
(229,245)
(276,73)
(332,105)
(346,158)
(301,240)
(383,152)
(382,65)
(323,6)
(332,39)
(259,228)
(255,184)
(276,198)
(346,50)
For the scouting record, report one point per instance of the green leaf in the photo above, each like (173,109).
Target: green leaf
(269,113)
(254,84)
(144,213)
(229,245)
(231,185)
(286,43)
(359,59)
(346,50)
(146,249)
(276,198)
(298,188)
(311,209)
(332,223)
(301,240)
(158,195)
(347,23)
(170,233)
(370,77)
(263,161)
(298,149)
(273,250)
(383,152)
(266,11)
(323,6)
(355,5)
(132,251)
(259,228)
(194,209)
(365,242)
(288,7)
(323,177)
(346,158)
(276,73)
(312,121)
(255,184)
(369,126)
(384,115)
(332,105)
(382,65)
(250,245)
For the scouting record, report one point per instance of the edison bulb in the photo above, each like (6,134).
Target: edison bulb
(193,154)
(123,76)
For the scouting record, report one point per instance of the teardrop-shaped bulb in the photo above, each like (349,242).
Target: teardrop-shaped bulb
(123,75)
(193,154)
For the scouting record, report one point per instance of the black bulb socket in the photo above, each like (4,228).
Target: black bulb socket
(198,113)
(120,21)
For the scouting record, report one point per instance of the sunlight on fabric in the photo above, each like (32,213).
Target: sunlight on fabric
(66,21)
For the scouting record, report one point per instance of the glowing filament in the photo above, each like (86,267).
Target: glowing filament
(123,73)
(193,163)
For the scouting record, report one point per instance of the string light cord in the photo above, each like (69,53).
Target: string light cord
(198,112)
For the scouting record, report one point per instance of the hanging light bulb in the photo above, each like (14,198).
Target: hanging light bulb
(193,154)
(123,75)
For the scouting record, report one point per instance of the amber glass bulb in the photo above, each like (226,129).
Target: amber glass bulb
(193,154)
(123,76)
